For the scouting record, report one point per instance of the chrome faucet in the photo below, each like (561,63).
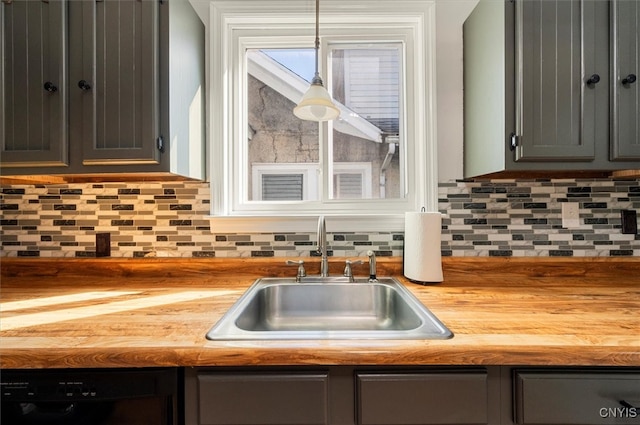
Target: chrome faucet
(322,247)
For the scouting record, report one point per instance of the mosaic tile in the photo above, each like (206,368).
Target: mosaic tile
(495,218)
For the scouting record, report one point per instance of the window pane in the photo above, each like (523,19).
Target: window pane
(275,135)
(367,81)
(299,61)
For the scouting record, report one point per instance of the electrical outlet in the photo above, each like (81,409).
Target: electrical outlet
(571,215)
(629,219)
(103,245)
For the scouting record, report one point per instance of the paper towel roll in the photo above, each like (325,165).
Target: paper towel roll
(422,255)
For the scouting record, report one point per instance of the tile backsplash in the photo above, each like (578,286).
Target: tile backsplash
(489,218)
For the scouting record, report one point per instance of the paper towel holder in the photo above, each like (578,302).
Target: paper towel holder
(422,257)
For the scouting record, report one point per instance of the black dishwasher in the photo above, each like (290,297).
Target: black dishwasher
(146,396)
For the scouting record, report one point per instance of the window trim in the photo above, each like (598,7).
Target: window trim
(229,18)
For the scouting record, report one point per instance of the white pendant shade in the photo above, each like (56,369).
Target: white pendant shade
(316,105)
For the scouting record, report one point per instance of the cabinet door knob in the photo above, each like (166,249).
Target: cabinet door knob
(50,87)
(594,79)
(84,85)
(629,79)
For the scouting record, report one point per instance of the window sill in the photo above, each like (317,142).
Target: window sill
(307,224)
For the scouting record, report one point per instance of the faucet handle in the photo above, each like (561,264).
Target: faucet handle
(301,271)
(347,268)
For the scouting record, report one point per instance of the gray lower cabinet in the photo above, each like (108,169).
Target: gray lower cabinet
(263,398)
(343,395)
(101,87)
(541,88)
(403,395)
(576,397)
(428,397)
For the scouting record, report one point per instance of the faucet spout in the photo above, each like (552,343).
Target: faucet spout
(322,247)
(372,266)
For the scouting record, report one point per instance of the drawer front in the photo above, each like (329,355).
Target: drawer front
(263,399)
(422,398)
(577,398)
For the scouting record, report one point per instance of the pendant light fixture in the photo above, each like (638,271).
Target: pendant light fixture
(316,104)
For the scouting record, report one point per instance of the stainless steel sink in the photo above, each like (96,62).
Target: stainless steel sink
(328,308)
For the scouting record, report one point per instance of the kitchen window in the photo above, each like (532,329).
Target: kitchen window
(274,172)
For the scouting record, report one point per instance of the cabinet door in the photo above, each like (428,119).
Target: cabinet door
(577,398)
(625,35)
(33,125)
(559,45)
(114,81)
(263,398)
(422,398)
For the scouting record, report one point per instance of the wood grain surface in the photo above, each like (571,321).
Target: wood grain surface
(156,312)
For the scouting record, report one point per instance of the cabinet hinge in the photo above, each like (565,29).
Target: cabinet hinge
(160,144)
(513,141)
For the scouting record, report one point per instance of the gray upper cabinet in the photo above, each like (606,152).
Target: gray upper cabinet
(114,83)
(33,93)
(129,87)
(537,87)
(560,114)
(625,126)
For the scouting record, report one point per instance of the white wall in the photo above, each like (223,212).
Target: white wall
(450,15)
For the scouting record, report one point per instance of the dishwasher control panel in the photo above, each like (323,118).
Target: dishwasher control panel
(75,384)
(31,389)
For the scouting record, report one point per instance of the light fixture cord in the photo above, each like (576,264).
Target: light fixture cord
(316,78)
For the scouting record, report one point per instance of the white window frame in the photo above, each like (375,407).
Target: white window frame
(235,25)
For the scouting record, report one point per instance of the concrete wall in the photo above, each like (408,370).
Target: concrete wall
(277,136)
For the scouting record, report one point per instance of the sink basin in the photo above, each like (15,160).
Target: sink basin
(327,308)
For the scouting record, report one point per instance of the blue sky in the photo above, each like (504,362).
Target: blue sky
(300,61)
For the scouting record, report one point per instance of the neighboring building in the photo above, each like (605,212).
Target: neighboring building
(283,150)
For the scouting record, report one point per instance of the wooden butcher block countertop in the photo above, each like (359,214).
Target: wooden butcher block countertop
(155,312)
